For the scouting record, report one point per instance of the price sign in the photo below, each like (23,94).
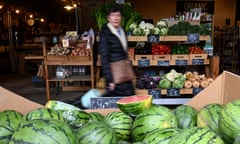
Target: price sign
(156,93)
(153,38)
(181,62)
(198,61)
(196,90)
(193,38)
(163,63)
(143,63)
(103,102)
(173,92)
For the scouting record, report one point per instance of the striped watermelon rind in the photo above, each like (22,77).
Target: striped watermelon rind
(59,105)
(47,131)
(96,117)
(229,121)
(186,116)
(208,116)
(196,135)
(75,118)
(133,105)
(155,117)
(11,118)
(5,133)
(96,132)
(43,113)
(162,136)
(121,123)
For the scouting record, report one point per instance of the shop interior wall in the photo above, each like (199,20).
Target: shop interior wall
(156,9)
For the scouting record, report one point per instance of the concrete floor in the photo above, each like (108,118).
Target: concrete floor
(22,85)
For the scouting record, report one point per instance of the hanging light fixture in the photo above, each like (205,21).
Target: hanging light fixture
(68,7)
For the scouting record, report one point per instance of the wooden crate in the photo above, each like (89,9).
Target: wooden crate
(72,58)
(58,58)
(139,57)
(161,57)
(179,57)
(197,58)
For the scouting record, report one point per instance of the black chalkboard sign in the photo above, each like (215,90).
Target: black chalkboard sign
(153,38)
(198,61)
(181,62)
(193,38)
(103,102)
(173,92)
(196,90)
(144,62)
(156,93)
(163,63)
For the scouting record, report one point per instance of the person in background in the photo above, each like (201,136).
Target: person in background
(113,47)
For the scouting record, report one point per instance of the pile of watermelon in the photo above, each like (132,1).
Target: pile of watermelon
(137,121)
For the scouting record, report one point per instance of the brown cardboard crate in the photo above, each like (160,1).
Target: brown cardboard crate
(73,58)
(57,58)
(224,89)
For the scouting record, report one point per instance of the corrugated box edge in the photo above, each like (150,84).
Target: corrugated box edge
(13,101)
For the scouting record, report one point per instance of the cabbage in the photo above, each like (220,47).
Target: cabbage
(165,84)
(178,83)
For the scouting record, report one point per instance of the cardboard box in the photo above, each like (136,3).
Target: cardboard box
(224,89)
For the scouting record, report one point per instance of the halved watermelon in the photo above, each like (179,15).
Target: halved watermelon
(133,105)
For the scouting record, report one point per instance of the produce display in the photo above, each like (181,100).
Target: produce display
(172,79)
(214,123)
(196,80)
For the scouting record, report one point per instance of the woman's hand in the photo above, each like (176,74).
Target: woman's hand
(111,86)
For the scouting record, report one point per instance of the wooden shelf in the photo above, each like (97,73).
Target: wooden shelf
(69,60)
(73,78)
(164,91)
(166,38)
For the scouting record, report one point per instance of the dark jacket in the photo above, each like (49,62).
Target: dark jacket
(111,49)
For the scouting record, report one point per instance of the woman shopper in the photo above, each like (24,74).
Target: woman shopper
(113,47)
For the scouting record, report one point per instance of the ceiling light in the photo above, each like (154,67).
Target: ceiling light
(17,11)
(68,7)
(1,6)
(31,16)
(42,20)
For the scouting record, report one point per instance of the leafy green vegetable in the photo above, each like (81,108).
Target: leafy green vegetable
(165,84)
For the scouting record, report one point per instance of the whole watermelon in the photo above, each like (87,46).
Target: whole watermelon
(11,118)
(186,116)
(196,135)
(75,118)
(43,131)
(44,113)
(160,136)
(5,133)
(229,121)
(155,117)
(96,133)
(121,123)
(208,116)
(96,117)
(9,122)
